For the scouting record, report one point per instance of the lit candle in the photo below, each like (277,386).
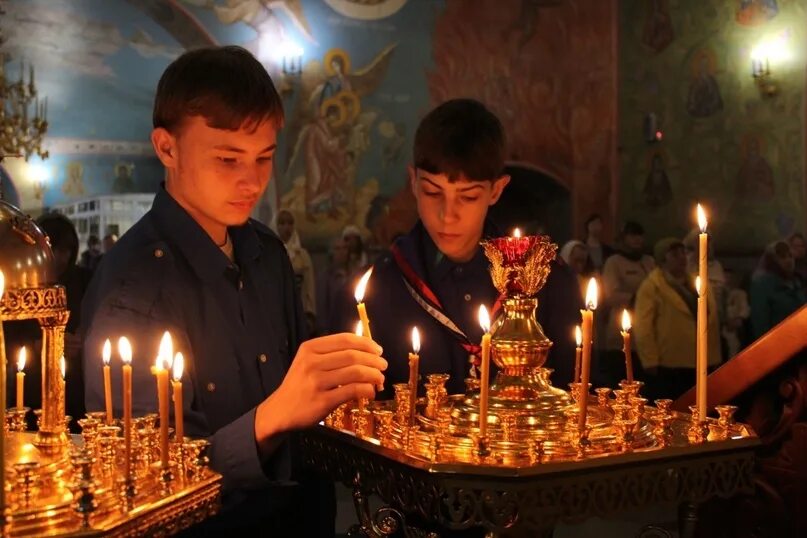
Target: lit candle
(361,287)
(700,366)
(626,345)
(588,328)
(414,364)
(578,352)
(161,371)
(516,233)
(125,352)
(703,291)
(21,377)
(3,406)
(484,382)
(106,356)
(179,426)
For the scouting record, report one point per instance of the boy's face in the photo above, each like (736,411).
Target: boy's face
(454,213)
(217,175)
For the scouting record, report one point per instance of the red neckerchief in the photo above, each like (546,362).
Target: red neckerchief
(427,299)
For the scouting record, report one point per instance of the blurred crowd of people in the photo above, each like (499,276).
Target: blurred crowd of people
(659,291)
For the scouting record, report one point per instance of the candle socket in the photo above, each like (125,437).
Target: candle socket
(383,426)
(726,415)
(582,442)
(402,402)
(603,397)
(482,447)
(432,401)
(698,431)
(15,419)
(362,422)
(471,385)
(27,474)
(632,388)
(439,381)
(537,451)
(625,432)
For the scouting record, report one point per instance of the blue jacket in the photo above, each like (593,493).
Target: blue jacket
(461,288)
(237,324)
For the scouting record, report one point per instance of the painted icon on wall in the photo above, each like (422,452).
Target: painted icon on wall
(124,178)
(755,12)
(658,29)
(704,99)
(755,180)
(73,185)
(657,190)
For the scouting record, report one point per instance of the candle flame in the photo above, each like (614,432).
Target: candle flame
(362,285)
(701,219)
(578,335)
(21,359)
(484,318)
(63,366)
(625,320)
(125,350)
(415,340)
(698,284)
(591,294)
(178,366)
(359,329)
(516,233)
(106,352)
(166,352)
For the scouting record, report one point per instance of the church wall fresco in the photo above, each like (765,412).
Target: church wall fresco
(688,62)
(371,69)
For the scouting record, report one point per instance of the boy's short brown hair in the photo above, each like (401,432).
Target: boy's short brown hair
(461,138)
(225,85)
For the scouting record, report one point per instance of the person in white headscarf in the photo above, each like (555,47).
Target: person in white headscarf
(575,254)
(300,263)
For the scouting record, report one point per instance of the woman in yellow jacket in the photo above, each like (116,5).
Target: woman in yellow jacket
(665,324)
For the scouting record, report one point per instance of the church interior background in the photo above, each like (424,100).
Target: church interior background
(633,109)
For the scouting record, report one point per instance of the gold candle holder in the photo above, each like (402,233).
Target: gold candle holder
(537,451)
(362,422)
(603,397)
(698,427)
(402,395)
(432,400)
(383,426)
(471,385)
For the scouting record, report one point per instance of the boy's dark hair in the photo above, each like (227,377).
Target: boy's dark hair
(225,85)
(61,233)
(460,138)
(632,227)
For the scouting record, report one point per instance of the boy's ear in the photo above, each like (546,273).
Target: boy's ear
(164,146)
(498,188)
(412,180)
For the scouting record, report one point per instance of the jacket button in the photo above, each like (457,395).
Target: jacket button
(158,253)
(467,296)
(211,387)
(262,357)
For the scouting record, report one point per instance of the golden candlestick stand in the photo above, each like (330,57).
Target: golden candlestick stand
(533,429)
(57,484)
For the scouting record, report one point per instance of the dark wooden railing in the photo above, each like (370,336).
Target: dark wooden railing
(768,383)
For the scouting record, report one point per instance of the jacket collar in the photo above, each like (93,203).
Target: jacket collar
(185,235)
(426,259)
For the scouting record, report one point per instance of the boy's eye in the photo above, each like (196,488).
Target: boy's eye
(469,198)
(431,193)
(264,159)
(227,160)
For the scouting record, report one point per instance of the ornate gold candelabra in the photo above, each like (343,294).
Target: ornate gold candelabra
(21,132)
(58,484)
(529,422)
